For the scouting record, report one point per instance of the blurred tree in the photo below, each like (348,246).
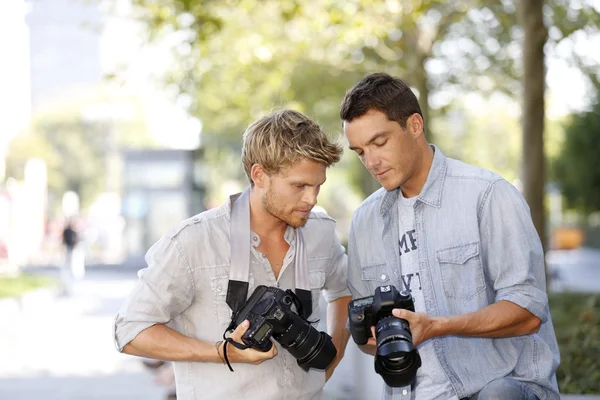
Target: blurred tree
(531,19)
(74,148)
(73,152)
(235,59)
(577,167)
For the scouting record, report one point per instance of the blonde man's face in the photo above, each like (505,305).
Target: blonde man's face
(292,192)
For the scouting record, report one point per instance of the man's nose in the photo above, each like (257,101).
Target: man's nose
(310,197)
(371,160)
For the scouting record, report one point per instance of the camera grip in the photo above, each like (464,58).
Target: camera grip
(359,326)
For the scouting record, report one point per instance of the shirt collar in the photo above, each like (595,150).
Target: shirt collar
(289,236)
(431,194)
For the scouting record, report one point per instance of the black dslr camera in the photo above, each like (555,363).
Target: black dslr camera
(269,312)
(397,359)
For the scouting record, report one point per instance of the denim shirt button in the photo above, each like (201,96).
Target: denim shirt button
(383,277)
(404,392)
(219,289)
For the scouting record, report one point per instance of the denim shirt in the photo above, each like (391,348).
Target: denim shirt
(477,246)
(185,287)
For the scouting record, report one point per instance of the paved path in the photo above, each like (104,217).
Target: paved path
(55,348)
(61,349)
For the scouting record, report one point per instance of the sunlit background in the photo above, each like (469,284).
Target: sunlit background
(124,117)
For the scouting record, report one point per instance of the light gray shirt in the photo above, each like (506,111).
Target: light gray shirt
(477,246)
(431,383)
(185,286)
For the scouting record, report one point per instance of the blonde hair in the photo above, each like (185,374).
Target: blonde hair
(284,138)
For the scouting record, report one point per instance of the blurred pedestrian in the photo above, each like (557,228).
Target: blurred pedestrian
(461,240)
(73,268)
(69,239)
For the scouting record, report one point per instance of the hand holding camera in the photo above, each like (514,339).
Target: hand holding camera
(421,324)
(249,355)
(269,313)
(396,359)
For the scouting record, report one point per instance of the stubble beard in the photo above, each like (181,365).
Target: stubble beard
(270,204)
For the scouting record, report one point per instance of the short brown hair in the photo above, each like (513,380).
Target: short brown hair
(381,92)
(284,138)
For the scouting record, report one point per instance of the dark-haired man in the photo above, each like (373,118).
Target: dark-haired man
(461,240)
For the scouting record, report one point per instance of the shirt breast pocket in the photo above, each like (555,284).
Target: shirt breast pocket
(375,276)
(316,280)
(461,271)
(219,285)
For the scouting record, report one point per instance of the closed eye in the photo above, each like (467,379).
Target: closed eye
(380,144)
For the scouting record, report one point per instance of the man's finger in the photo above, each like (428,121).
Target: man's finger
(400,313)
(274,350)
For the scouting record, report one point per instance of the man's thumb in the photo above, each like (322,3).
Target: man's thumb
(240,330)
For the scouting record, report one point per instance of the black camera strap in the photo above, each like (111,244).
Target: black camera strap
(237,288)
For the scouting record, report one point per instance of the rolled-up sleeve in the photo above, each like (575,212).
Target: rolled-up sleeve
(163,291)
(335,283)
(512,249)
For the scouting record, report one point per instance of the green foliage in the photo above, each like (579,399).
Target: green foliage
(15,286)
(577,167)
(576,319)
(72,149)
(236,60)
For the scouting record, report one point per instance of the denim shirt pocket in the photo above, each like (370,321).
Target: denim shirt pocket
(374,276)
(460,268)
(219,285)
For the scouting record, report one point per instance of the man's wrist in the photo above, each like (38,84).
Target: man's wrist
(439,326)
(219,348)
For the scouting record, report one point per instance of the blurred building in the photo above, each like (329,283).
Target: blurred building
(160,189)
(15,95)
(64,46)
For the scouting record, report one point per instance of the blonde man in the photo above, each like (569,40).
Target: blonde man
(179,309)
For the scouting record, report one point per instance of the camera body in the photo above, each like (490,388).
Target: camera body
(269,311)
(397,359)
(367,311)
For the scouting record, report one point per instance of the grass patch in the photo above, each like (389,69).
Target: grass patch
(576,318)
(14,286)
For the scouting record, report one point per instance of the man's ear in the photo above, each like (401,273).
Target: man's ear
(259,176)
(415,125)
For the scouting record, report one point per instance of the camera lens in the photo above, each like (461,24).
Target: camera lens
(311,348)
(397,359)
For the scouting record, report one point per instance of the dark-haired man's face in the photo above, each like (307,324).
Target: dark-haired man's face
(387,150)
(292,192)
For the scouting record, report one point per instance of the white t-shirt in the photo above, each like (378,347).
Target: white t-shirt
(431,383)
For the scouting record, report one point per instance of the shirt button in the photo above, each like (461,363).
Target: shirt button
(196,219)
(264,256)
(383,277)
(254,239)
(219,288)
(404,392)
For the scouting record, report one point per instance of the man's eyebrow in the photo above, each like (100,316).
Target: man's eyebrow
(373,138)
(301,182)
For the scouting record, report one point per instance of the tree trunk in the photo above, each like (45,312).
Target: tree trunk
(533,162)
(422,85)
